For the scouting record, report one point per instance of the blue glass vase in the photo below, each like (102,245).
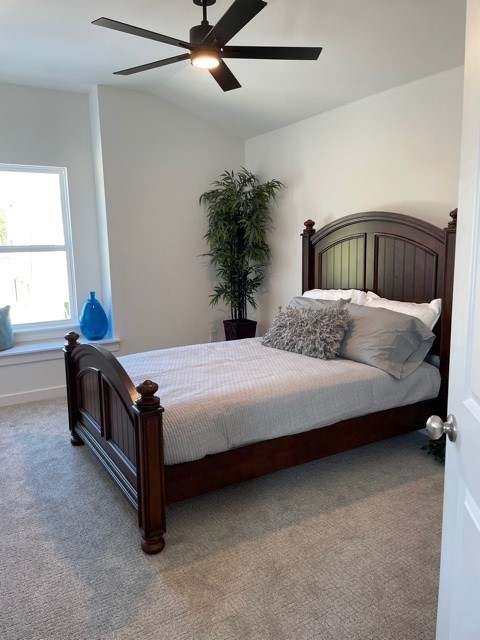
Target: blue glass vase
(93,319)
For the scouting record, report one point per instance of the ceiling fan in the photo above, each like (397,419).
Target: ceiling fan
(207,46)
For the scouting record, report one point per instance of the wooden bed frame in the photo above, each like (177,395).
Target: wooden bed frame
(396,256)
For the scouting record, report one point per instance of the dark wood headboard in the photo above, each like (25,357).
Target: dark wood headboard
(396,256)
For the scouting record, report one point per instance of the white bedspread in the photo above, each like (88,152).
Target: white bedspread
(224,395)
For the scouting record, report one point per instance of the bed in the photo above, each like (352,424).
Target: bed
(119,416)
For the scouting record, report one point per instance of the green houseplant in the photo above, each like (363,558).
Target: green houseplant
(238,222)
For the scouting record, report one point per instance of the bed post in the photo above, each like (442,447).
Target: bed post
(150,475)
(72,343)
(307,256)
(446,320)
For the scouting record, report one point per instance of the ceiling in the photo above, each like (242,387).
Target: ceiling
(369,47)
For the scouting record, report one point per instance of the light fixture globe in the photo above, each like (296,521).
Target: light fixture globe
(205,58)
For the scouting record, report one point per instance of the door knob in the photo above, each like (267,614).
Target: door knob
(436,427)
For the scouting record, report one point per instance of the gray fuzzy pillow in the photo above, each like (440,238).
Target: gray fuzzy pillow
(312,332)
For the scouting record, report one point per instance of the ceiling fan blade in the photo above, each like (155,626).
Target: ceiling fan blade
(152,65)
(225,77)
(143,33)
(273,53)
(234,19)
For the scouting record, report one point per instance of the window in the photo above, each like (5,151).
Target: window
(36,262)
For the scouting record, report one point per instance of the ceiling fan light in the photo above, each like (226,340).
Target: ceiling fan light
(205,59)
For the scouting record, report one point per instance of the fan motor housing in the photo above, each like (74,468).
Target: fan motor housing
(198,32)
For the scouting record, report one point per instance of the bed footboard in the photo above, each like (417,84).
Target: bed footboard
(122,425)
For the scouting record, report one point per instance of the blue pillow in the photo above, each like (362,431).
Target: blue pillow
(6,332)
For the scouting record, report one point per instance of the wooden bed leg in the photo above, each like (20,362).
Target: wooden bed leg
(150,474)
(72,343)
(75,440)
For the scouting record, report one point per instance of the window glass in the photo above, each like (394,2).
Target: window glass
(31,208)
(35,246)
(36,285)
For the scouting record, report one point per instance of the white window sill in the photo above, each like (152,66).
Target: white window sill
(42,333)
(41,350)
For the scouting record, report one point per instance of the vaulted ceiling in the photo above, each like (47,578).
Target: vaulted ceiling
(368,46)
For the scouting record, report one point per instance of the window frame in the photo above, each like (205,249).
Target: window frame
(50,328)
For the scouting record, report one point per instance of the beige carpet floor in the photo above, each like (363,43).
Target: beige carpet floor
(346,548)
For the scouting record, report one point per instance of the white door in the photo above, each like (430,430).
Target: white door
(459,597)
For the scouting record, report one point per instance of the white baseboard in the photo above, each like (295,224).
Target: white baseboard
(33,396)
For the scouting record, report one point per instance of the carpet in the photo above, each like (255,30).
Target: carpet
(344,548)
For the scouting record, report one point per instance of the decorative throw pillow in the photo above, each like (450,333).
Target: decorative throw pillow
(312,332)
(6,332)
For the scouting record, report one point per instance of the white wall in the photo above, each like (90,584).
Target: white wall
(395,151)
(157,161)
(52,128)
(149,162)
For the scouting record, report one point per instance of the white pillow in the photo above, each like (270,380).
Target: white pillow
(427,312)
(355,295)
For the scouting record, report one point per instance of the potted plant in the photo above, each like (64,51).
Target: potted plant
(238,222)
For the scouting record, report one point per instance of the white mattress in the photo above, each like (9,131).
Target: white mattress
(224,395)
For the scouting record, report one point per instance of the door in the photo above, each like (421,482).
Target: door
(459,596)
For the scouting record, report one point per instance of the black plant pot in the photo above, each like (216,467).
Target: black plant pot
(239,329)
